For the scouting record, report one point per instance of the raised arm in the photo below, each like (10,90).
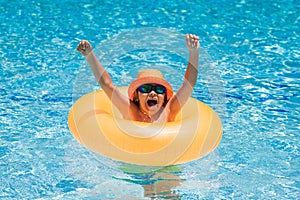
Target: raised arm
(190,78)
(191,74)
(103,78)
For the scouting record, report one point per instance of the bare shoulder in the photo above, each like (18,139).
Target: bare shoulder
(133,112)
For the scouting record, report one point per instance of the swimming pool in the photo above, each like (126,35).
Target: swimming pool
(253,83)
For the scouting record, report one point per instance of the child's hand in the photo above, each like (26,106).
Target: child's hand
(84,47)
(192,42)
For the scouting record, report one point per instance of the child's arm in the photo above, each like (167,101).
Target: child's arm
(190,79)
(103,78)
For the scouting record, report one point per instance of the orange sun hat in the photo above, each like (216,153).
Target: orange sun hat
(149,76)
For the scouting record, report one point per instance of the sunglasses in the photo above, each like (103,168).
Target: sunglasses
(147,88)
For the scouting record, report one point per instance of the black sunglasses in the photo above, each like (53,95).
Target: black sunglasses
(147,88)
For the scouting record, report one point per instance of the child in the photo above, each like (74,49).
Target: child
(150,96)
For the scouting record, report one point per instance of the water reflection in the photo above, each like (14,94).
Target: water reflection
(157,182)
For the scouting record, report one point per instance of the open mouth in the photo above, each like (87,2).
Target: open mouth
(151,102)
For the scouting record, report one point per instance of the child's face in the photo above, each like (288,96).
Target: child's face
(151,101)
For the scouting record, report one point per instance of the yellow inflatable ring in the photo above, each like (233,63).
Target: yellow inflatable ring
(97,124)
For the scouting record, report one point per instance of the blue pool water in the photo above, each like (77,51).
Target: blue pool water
(249,74)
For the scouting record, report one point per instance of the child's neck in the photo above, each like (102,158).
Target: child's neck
(150,117)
